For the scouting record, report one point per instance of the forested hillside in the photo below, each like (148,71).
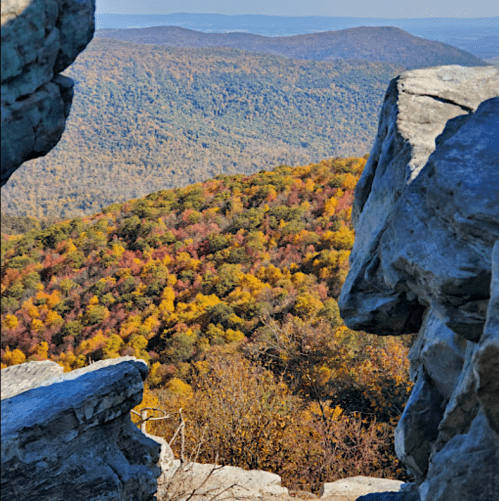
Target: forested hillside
(150,117)
(373,43)
(228,290)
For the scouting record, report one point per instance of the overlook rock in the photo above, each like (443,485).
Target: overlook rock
(426,258)
(70,436)
(40,38)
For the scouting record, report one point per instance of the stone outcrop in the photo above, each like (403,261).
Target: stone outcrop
(70,436)
(223,482)
(354,487)
(426,259)
(40,38)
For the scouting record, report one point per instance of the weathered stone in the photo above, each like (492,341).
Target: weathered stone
(463,406)
(40,38)
(71,437)
(418,426)
(227,482)
(390,496)
(23,377)
(467,468)
(441,352)
(426,217)
(407,219)
(486,360)
(358,486)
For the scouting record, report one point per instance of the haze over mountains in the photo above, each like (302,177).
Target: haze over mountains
(386,43)
(480,36)
(151,116)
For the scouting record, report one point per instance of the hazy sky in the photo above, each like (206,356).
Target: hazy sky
(355,8)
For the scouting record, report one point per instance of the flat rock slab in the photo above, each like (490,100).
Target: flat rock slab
(352,488)
(224,482)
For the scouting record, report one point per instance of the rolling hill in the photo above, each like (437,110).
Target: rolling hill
(148,117)
(227,289)
(386,43)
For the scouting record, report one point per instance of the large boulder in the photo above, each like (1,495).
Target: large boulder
(425,259)
(40,38)
(70,436)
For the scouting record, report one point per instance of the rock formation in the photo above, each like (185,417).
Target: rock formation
(40,38)
(210,481)
(70,436)
(358,486)
(426,258)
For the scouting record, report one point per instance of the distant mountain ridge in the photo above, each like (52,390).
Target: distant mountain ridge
(384,43)
(152,117)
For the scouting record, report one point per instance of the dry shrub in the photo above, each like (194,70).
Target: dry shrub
(240,414)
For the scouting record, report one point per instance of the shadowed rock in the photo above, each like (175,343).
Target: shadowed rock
(40,38)
(70,435)
(426,216)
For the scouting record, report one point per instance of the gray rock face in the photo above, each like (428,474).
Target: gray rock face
(70,435)
(40,38)
(425,259)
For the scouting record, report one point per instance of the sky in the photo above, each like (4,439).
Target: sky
(349,8)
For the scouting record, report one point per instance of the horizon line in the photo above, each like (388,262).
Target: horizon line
(277,15)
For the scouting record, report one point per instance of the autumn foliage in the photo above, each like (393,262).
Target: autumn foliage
(228,290)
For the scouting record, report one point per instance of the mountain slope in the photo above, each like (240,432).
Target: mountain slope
(227,289)
(385,43)
(150,117)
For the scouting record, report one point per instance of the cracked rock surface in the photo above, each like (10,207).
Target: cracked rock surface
(70,436)
(426,259)
(40,38)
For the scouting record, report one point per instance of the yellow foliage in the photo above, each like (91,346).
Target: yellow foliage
(270,273)
(10,321)
(179,387)
(30,308)
(205,302)
(153,376)
(41,349)
(308,305)
(14,357)
(89,345)
(148,400)
(183,257)
(251,283)
(341,239)
(349,181)
(117,250)
(150,323)
(113,346)
(37,325)
(330,206)
(232,336)
(93,301)
(124,272)
(53,318)
(309,185)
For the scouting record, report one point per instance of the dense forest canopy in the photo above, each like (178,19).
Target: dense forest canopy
(227,289)
(150,117)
